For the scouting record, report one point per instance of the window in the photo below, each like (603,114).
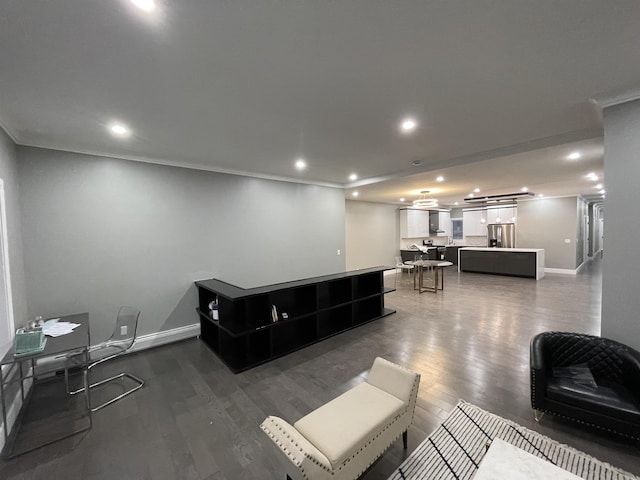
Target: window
(457,229)
(6,304)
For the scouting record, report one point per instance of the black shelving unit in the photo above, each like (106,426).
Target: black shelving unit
(248,331)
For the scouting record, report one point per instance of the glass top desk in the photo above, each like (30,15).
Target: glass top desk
(78,342)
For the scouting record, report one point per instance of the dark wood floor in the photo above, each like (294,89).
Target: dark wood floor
(196,420)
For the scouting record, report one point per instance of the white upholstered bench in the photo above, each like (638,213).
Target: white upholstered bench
(342,438)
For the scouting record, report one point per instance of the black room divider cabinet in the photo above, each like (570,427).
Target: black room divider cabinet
(249,331)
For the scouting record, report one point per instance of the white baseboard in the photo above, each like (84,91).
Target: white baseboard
(166,336)
(564,271)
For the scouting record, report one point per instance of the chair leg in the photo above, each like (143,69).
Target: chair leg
(404,439)
(139,381)
(130,376)
(537,414)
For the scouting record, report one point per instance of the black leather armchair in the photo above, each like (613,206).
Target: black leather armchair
(611,403)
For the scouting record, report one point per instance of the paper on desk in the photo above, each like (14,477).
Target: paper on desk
(55,328)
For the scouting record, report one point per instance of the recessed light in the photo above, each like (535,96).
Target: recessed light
(301,164)
(353,177)
(408,125)
(598,186)
(355,194)
(145,5)
(455,203)
(525,189)
(471,195)
(402,199)
(440,179)
(592,176)
(476,190)
(119,129)
(574,156)
(602,191)
(540,195)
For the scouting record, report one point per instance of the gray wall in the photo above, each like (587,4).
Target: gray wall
(545,223)
(372,231)
(8,172)
(621,273)
(102,232)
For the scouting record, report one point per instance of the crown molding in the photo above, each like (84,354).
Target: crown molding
(605,100)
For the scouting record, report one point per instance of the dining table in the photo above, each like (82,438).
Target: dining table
(435,269)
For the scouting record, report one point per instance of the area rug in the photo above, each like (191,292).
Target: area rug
(454,450)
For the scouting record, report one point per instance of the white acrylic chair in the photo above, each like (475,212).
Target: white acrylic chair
(118,344)
(400,265)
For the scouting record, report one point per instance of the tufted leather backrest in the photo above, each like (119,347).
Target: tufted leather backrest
(604,357)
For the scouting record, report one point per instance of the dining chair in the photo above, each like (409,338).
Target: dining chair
(120,342)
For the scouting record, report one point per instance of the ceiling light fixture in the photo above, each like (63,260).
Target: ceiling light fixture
(477,190)
(425,200)
(540,195)
(440,179)
(408,125)
(145,5)
(456,203)
(498,198)
(598,186)
(525,189)
(402,199)
(119,129)
(355,194)
(602,191)
(353,177)
(592,176)
(574,156)
(301,164)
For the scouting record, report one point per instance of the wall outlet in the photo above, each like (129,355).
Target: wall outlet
(338,251)
(123,330)
(567,240)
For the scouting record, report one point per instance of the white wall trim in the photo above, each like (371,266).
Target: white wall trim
(615,98)
(166,336)
(565,271)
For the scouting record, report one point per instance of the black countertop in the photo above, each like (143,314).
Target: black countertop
(234,292)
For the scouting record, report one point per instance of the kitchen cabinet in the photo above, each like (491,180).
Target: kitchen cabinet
(474,222)
(505,214)
(414,223)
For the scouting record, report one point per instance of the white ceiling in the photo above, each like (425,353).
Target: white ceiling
(246,87)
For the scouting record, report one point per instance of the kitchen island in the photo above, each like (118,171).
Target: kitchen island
(517,262)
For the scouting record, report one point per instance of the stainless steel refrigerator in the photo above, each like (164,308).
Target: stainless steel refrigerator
(501,235)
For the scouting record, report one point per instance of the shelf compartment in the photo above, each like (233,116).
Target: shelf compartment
(334,293)
(295,302)
(368,309)
(289,336)
(239,353)
(334,320)
(367,284)
(209,333)
(244,315)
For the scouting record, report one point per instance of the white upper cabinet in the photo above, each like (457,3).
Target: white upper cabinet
(474,222)
(414,223)
(501,214)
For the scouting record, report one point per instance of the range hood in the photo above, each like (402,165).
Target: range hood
(434,222)
(497,198)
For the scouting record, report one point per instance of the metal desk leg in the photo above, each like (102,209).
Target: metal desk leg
(4,408)
(21,381)
(87,387)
